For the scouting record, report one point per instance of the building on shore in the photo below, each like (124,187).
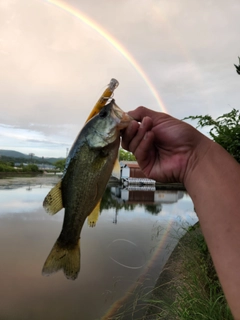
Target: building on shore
(132,174)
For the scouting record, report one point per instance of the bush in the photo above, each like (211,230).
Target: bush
(60,164)
(5,167)
(30,168)
(225,130)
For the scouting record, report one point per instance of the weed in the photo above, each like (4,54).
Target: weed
(195,291)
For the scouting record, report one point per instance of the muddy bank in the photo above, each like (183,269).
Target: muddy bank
(26,181)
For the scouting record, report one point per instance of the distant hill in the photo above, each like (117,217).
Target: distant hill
(15,156)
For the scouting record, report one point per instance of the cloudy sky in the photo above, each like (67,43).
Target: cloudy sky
(54,66)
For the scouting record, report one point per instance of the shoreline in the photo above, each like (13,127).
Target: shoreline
(21,181)
(112,180)
(172,275)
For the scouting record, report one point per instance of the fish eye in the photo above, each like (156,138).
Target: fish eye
(102,113)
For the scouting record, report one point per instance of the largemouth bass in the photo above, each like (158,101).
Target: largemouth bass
(88,169)
(108,93)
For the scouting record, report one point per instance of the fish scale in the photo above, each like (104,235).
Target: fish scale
(85,197)
(89,167)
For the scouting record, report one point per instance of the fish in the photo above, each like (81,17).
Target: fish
(108,93)
(88,168)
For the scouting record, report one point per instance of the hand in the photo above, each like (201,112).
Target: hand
(166,149)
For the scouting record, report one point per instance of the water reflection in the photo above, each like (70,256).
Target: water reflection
(127,249)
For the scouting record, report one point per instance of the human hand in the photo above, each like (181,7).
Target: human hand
(166,149)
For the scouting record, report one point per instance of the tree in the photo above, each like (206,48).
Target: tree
(30,168)
(60,164)
(225,130)
(6,167)
(126,155)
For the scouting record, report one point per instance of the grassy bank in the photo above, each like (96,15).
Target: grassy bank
(188,288)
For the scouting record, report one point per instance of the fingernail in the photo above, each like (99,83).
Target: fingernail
(142,123)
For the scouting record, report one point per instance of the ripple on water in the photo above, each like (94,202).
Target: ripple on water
(126,254)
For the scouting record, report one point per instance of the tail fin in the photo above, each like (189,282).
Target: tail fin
(64,258)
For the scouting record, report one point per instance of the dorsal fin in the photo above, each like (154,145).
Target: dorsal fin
(53,200)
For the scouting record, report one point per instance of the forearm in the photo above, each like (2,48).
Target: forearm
(214,186)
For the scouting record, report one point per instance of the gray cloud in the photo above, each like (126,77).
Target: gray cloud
(54,67)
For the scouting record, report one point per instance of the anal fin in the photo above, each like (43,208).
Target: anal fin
(93,217)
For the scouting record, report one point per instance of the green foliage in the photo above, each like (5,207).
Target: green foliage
(126,155)
(195,292)
(60,164)
(6,167)
(225,130)
(30,168)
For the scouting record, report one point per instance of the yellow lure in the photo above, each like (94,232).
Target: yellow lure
(104,98)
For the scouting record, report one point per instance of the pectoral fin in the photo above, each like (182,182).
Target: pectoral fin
(93,217)
(53,200)
(116,169)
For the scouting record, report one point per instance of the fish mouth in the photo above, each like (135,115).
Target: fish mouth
(123,119)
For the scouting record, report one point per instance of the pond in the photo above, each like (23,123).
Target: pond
(121,257)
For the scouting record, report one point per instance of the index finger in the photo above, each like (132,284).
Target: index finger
(141,112)
(129,133)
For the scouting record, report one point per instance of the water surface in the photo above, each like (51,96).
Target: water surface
(123,254)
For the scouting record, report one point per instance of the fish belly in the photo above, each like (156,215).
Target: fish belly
(83,186)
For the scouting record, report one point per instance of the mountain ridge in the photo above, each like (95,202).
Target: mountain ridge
(19,155)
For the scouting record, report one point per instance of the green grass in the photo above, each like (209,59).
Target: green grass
(195,291)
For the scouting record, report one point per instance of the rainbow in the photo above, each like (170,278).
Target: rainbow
(116,306)
(116,44)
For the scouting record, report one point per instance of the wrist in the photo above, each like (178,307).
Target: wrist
(198,160)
